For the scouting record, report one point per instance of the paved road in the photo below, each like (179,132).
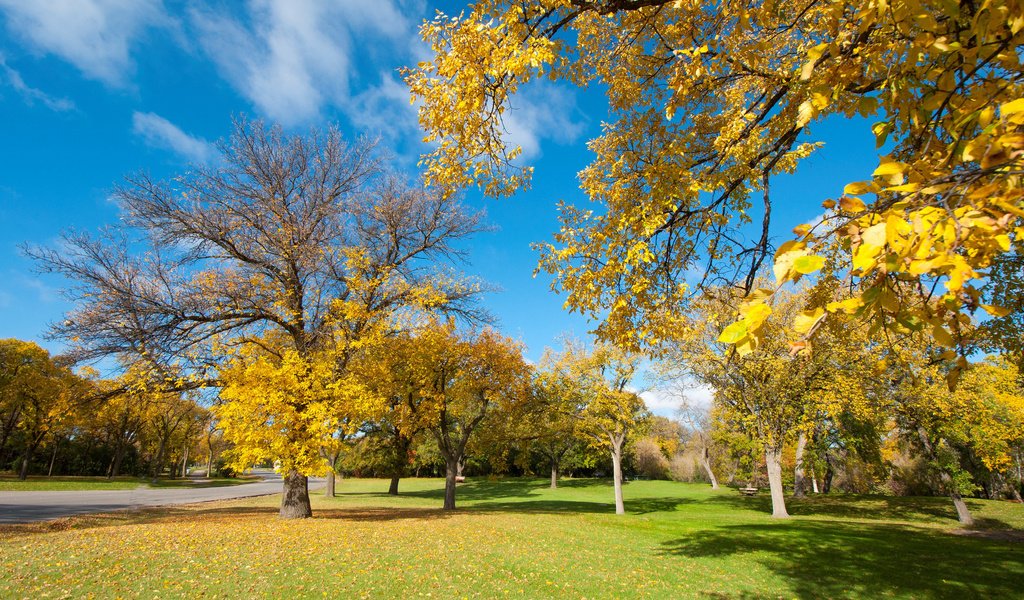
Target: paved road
(25,507)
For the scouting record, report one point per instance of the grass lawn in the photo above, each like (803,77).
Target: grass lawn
(516,538)
(38,483)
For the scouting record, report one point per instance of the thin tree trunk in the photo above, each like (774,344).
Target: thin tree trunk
(209,465)
(814,481)
(393,488)
(295,497)
(620,508)
(799,482)
(772,459)
(53,457)
(184,462)
(826,483)
(705,460)
(451,472)
(554,472)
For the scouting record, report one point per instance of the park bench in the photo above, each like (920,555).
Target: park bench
(748,491)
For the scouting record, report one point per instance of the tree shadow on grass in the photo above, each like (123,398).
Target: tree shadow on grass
(827,560)
(862,507)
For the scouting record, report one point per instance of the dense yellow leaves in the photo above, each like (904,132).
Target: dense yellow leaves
(707,102)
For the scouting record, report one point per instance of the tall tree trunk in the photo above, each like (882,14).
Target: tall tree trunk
(451,472)
(772,459)
(814,481)
(799,482)
(620,508)
(295,497)
(826,483)
(184,462)
(705,460)
(209,464)
(53,457)
(554,471)
(393,488)
(26,458)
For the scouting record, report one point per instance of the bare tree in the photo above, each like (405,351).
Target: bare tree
(267,241)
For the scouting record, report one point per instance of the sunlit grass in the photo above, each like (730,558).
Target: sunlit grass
(517,538)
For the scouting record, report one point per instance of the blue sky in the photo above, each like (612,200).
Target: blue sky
(91,90)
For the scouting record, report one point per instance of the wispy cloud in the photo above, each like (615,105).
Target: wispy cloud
(293,57)
(161,133)
(540,112)
(667,400)
(94,35)
(30,94)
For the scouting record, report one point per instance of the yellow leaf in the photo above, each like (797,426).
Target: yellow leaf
(888,169)
(808,264)
(1012,107)
(733,333)
(995,311)
(860,187)
(807,319)
(874,235)
(851,205)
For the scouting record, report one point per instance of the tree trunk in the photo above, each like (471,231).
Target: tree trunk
(295,497)
(554,472)
(331,487)
(25,459)
(53,457)
(393,488)
(814,481)
(460,466)
(799,482)
(184,462)
(772,459)
(209,465)
(451,472)
(826,483)
(620,508)
(705,460)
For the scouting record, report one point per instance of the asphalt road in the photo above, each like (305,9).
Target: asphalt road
(26,507)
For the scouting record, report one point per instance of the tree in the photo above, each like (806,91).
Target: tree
(609,412)
(38,394)
(462,381)
(697,419)
(293,252)
(560,401)
(707,102)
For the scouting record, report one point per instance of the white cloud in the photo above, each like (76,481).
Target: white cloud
(542,112)
(293,57)
(30,94)
(666,401)
(94,35)
(161,133)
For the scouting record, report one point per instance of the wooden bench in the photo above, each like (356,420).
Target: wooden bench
(748,491)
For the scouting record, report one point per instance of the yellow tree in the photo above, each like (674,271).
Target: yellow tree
(455,384)
(774,394)
(608,411)
(294,245)
(982,418)
(707,102)
(38,395)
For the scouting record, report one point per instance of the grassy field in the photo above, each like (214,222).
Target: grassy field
(516,538)
(10,483)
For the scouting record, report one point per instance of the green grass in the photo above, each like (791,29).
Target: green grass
(10,483)
(516,538)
